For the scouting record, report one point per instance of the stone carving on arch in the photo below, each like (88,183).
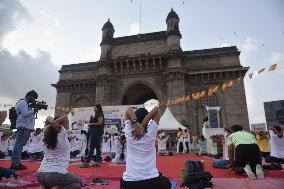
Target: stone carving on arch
(82,101)
(138,82)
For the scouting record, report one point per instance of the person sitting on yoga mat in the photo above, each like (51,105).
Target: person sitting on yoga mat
(242,145)
(120,154)
(141,171)
(277,145)
(53,172)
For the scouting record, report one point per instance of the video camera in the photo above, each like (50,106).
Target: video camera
(40,105)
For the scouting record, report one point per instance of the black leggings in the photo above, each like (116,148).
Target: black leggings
(95,140)
(247,154)
(159,182)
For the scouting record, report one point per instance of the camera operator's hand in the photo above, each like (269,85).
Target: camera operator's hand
(36,109)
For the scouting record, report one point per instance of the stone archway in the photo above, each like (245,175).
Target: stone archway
(82,101)
(138,94)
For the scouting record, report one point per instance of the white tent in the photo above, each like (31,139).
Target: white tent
(169,122)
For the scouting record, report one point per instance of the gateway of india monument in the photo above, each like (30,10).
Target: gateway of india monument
(134,69)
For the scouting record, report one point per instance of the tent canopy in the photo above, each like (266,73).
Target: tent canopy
(169,122)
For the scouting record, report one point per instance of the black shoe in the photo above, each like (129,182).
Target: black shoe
(18,167)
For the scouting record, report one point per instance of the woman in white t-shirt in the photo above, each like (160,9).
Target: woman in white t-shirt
(11,142)
(120,154)
(53,171)
(141,171)
(35,148)
(277,145)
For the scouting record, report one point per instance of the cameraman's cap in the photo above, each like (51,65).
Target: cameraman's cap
(32,93)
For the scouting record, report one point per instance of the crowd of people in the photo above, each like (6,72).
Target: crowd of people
(137,147)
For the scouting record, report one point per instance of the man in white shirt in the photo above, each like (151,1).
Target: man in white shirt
(141,171)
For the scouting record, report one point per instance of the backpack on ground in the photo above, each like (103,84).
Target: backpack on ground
(13,116)
(195,176)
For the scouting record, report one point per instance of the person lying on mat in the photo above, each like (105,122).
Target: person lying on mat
(141,171)
(242,145)
(53,172)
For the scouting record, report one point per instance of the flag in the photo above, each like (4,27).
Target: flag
(239,79)
(210,92)
(224,86)
(250,75)
(272,67)
(196,96)
(232,82)
(202,94)
(216,89)
(261,70)
(182,99)
(187,98)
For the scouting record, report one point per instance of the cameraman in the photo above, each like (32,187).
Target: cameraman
(25,124)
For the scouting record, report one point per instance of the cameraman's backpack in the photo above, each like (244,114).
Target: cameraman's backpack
(195,176)
(13,116)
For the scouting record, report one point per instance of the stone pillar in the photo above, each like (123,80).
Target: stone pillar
(62,101)
(140,64)
(103,91)
(160,62)
(147,64)
(127,65)
(235,106)
(115,67)
(176,89)
(121,66)
(154,63)
(134,66)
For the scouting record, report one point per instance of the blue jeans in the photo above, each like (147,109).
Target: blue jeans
(23,135)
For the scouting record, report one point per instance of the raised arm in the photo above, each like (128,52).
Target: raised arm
(153,114)
(138,130)
(130,114)
(63,120)
(279,134)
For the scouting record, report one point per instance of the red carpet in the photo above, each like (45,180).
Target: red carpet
(168,165)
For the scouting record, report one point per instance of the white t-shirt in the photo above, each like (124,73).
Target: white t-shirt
(83,144)
(12,142)
(119,151)
(106,145)
(57,160)
(141,154)
(114,141)
(36,144)
(26,148)
(162,144)
(225,147)
(277,145)
(4,145)
(75,144)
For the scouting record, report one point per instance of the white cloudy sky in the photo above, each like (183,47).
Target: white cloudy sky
(38,36)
